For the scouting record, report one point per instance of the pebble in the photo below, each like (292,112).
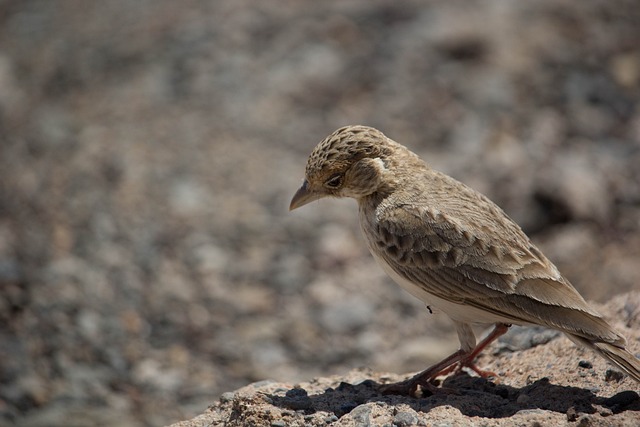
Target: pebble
(522,338)
(361,415)
(227,397)
(585,364)
(331,419)
(405,419)
(613,375)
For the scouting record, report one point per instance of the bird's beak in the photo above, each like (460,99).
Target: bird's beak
(303,196)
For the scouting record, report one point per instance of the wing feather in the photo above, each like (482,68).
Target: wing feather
(472,253)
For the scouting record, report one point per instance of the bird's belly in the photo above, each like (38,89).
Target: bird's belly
(459,312)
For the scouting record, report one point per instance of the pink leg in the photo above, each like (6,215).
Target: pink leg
(424,378)
(467,361)
(458,360)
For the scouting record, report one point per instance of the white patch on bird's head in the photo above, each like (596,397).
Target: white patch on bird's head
(363,178)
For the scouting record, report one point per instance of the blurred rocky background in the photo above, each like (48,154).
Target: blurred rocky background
(149,150)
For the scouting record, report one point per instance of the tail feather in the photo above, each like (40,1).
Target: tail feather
(619,356)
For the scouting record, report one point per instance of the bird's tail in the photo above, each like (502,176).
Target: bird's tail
(617,355)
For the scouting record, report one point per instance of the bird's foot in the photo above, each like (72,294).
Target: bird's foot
(465,363)
(410,387)
(466,359)
(425,379)
(480,372)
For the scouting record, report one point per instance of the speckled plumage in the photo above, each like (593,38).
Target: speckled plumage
(451,247)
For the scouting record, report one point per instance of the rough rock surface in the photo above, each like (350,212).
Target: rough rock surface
(555,383)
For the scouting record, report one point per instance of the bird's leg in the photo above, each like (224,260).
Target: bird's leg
(456,361)
(424,378)
(467,360)
(499,330)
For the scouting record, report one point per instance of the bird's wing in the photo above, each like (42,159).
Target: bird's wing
(474,254)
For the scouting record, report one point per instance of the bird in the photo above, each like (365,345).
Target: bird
(452,248)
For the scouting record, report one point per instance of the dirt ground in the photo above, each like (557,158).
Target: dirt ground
(149,150)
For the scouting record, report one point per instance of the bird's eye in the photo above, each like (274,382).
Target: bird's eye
(335,181)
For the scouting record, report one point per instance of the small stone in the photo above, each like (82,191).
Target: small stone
(331,419)
(227,397)
(405,419)
(612,375)
(585,364)
(278,423)
(522,338)
(361,415)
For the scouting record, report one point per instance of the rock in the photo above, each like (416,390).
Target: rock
(405,419)
(537,385)
(585,364)
(522,338)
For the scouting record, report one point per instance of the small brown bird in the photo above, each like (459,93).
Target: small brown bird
(452,248)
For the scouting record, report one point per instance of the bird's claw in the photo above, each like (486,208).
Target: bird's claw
(410,387)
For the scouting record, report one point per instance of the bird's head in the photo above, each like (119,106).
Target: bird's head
(351,162)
